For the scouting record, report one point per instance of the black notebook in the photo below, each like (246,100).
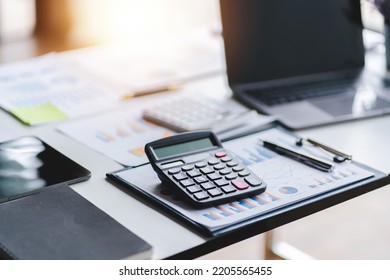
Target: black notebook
(58,223)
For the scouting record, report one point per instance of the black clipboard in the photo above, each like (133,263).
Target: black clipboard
(267,221)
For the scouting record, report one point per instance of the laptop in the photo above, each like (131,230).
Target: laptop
(302,60)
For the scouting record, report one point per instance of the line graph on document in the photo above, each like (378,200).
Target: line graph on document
(278,171)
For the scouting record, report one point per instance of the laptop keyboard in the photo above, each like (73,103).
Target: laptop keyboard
(285,94)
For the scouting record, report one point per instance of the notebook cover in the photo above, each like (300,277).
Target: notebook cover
(58,223)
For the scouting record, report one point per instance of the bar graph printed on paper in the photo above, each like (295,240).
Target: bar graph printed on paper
(131,129)
(287,180)
(128,129)
(130,135)
(47,89)
(256,155)
(240,206)
(121,135)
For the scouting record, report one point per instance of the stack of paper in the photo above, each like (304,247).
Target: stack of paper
(151,66)
(47,89)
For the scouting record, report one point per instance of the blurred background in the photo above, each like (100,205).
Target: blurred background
(33,27)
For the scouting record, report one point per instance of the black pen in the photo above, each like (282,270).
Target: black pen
(305,159)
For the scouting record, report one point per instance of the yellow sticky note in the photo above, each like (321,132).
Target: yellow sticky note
(39,114)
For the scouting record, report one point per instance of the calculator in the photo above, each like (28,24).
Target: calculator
(197,166)
(188,114)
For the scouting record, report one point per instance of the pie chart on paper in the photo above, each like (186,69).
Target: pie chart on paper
(288,190)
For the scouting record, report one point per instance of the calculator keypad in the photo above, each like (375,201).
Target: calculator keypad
(215,180)
(186,114)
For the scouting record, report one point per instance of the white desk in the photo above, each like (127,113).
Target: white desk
(368,140)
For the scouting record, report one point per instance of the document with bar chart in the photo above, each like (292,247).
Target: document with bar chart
(120,136)
(47,89)
(288,181)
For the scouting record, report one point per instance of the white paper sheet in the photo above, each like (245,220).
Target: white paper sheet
(7,133)
(120,136)
(46,89)
(153,65)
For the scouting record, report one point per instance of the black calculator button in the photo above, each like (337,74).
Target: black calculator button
(173,171)
(193,173)
(232,163)
(201,164)
(187,168)
(231,176)
(214,176)
(180,176)
(201,195)
(228,189)
(194,189)
(253,182)
(225,171)
(201,179)
(215,192)
(226,159)
(244,173)
(187,183)
(213,161)
(221,182)
(207,186)
(207,170)
(219,166)
(238,168)
(240,184)
(220,154)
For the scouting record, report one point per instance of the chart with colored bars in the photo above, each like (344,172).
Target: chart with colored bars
(120,136)
(240,206)
(129,129)
(254,154)
(288,182)
(46,89)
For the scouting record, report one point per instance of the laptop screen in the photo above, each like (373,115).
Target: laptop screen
(274,39)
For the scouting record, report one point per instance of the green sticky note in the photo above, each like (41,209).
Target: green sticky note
(39,114)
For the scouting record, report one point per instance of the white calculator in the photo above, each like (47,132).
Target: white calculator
(188,114)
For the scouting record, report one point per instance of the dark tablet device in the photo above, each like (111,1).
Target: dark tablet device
(28,165)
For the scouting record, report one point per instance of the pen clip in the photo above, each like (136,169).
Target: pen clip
(339,156)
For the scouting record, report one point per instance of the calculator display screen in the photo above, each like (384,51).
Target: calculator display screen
(186,147)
